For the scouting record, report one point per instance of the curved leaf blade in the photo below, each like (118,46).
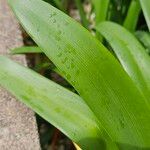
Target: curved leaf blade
(130,53)
(62,108)
(89,67)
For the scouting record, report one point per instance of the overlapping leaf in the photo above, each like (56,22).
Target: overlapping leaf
(62,108)
(91,69)
(130,53)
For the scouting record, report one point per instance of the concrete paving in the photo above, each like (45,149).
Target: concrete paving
(18,128)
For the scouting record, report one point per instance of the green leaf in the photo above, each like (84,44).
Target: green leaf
(82,14)
(62,108)
(146,10)
(132,15)
(91,69)
(144,37)
(26,49)
(130,53)
(101,12)
(101,9)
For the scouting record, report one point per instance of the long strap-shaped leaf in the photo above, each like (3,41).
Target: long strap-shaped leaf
(130,53)
(62,108)
(91,69)
(101,9)
(132,15)
(82,14)
(146,10)
(101,12)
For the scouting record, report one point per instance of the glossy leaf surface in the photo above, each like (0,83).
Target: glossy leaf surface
(91,69)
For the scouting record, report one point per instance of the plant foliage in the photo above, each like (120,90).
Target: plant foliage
(112,111)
